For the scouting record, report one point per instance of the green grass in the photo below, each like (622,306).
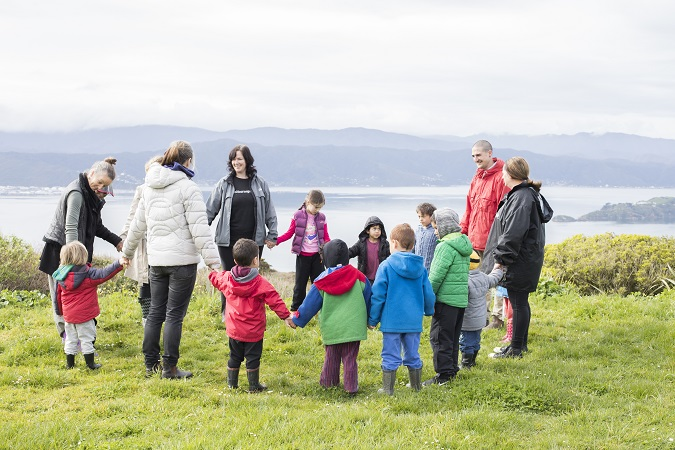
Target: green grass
(600,374)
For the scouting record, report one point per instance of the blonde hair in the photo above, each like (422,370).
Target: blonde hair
(404,234)
(154,159)
(74,253)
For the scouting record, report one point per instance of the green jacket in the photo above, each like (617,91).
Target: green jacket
(449,271)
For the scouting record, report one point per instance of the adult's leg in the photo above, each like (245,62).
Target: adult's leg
(181,284)
(227,261)
(159,287)
(350,351)
(303,269)
(521,318)
(330,373)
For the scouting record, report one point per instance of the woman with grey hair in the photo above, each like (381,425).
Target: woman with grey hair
(78,218)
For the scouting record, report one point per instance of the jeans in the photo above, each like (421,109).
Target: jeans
(391,350)
(469,341)
(446,325)
(171,288)
(521,318)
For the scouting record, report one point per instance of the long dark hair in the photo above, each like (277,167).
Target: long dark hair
(248,157)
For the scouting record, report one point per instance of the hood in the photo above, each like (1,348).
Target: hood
(496,168)
(373,220)
(544,209)
(71,277)
(339,280)
(407,264)
(459,242)
(335,253)
(159,177)
(245,281)
(447,221)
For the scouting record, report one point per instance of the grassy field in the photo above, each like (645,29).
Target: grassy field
(600,374)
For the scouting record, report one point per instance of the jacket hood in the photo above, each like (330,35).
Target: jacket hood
(159,177)
(339,280)
(335,253)
(459,242)
(407,265)
(372,220)
(496,168)
(242,274)
(71,277)
(447,221)
(246,285)
(544,209)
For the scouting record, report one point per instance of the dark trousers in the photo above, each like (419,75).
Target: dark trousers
(446,326)
(171,288)
(521,318)
(227,261)
(345,353)
(307,268)
(239,350)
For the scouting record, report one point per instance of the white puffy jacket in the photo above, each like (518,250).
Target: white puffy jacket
(172,212)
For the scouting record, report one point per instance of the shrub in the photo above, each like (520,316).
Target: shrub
(19,266)
(27,299)
(608,263)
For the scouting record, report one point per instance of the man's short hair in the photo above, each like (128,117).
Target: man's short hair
(426,209)
(404,234)
(245,251)
(484,145)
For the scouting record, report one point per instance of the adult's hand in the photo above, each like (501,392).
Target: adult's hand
(270,244)
(120,245)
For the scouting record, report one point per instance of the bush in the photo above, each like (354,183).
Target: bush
(27,299)
(608,263)
(19,266)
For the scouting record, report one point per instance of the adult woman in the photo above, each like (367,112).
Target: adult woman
(243,200)
(78,218)
(516,243)
(171,211)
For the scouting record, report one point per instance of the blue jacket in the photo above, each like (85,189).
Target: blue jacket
(402,294)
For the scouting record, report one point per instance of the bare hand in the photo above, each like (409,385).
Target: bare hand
(270,244)
(120,245)
(371,327)
(289,322)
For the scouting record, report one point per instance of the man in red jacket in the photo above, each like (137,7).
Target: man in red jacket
(486,191)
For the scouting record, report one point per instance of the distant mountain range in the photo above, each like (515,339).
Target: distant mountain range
(353,156)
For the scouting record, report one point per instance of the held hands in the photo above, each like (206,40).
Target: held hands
(270,244)
(371,327)
(124,261)
(289,322)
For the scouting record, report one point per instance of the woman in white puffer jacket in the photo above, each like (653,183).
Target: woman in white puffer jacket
(172,212)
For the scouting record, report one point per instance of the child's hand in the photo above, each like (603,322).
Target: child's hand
(270,244)
(124,261)
(371,327)
(289,322)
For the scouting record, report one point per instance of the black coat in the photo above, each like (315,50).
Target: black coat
(517,238)
(360,248)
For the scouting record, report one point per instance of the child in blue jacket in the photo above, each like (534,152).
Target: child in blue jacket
(402,295)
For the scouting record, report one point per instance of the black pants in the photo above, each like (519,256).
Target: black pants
(227,261)
(171,288)
(446,326)
(239,350)
(306,268)
(521,318)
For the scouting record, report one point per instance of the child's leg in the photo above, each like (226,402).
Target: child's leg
(86,333)
(317,267)
(303,268)
(253,352)
(411,350)
(456,331)
(442,335)
(70,346)
(330,374)
(236,353)
(391,351)
(350,351)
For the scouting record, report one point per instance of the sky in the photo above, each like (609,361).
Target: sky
(438,67)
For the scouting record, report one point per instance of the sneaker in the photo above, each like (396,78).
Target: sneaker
(437,379)
(503,349)
(509,353)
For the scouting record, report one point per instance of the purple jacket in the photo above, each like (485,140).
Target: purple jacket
(297,229)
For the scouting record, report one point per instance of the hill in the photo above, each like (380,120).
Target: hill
(655,210)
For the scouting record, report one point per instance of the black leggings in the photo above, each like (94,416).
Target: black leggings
(521,318)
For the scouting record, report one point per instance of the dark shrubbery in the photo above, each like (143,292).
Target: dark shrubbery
(608,263)
(19,266)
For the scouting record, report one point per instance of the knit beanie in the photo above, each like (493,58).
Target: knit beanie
(447,221)
(474,261)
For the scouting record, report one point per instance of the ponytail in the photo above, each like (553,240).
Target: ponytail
(178,151)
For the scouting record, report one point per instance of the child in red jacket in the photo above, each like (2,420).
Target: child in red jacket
(247,292)
(77,299)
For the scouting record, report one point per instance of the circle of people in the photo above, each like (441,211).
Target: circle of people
(446,268)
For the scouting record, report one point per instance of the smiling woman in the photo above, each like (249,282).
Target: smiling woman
(78,218)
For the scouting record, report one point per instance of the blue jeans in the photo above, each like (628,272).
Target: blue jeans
(171,288)
(469,341)
(391,350)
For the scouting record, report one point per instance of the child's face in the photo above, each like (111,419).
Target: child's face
(433,224)
(374,232)
(425,219)
(313,209)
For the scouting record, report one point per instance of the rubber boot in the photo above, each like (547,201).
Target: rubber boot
(415,378)
(466,360)
(509,333)
(232,378)
(254,384)
(70,361)
(175,373)
(145,306)
(388,381)
(496,323)
(89,359)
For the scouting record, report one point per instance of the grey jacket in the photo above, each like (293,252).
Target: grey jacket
(220,201)
(475,313)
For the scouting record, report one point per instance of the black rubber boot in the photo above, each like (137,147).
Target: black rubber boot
(89,359)
(145,306)
(175,373)
(415,378)
(155,368)
(232,378)
(388,381)
(70,361)
(254,384)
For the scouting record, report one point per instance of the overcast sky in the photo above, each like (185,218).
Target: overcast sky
(419,67)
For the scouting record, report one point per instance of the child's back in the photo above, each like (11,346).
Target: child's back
(480,283)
